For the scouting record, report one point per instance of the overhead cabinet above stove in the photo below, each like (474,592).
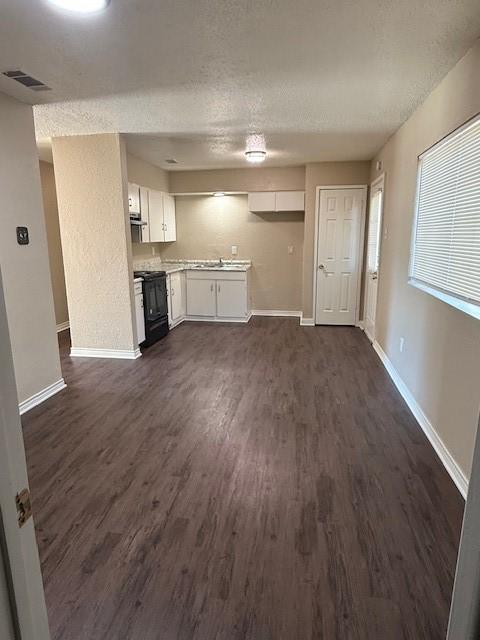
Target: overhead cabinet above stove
(155,211)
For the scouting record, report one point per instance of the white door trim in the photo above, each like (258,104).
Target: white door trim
(320,188)
(378,182)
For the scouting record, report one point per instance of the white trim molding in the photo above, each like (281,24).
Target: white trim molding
(276,313)
(118,354)
(306,322)
(41,396)
(63,326)
(437,443)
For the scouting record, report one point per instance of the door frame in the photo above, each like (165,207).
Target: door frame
(19,546)
(361,243)
(380,180)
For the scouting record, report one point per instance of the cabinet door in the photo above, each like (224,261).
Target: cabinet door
(133,198)
(231,298)
(144,217)
(201,298)
(155,216)
(290,201)
(176,296)
(139,317)
(261,201)
(169,222)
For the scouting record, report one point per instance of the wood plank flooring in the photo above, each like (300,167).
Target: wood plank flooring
(240,482)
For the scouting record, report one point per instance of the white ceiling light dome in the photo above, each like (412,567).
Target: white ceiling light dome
(256,151)
(81,6)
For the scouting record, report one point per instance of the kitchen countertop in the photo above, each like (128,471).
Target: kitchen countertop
(173,266)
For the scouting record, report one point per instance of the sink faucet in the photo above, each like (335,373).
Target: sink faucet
(220,260)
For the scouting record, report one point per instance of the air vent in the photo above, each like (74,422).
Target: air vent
(26,80)
(171,161)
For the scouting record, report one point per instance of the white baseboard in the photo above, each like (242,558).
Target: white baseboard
(306,322)
(41,396)
(361,325)
(437,443)
(224,320)
(276,313)
(119,354)
(63,326)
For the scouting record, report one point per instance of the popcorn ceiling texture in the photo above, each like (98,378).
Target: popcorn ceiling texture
(90,173)
(323,81)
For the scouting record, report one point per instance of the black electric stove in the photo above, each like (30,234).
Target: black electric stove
(155,307)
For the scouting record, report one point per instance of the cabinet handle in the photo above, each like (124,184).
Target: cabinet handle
(211,287)
(218,289)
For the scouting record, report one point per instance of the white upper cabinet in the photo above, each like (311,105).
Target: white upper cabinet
(261,201)
(155,215)
(276,201)
(133,198)
(161,216)
(169,220)
(290,201)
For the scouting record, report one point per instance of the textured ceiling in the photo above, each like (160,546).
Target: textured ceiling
(323,80)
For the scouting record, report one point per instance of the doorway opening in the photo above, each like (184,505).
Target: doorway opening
(372,267)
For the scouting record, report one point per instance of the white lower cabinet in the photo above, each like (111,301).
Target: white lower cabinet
(176,297)
(201,298)
(218,295)
(139,313)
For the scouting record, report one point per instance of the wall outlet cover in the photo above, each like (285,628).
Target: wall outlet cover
(234,249)
(290,249)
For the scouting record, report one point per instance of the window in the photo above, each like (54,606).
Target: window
(374,227)
(445,257)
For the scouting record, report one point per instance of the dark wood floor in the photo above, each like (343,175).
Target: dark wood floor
(255,482)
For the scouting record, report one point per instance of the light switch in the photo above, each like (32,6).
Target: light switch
(290,249)
(22,235)
(234,250)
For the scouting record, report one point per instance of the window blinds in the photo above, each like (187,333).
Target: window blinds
(446,240)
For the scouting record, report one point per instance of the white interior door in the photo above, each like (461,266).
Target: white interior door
(373,258)
(18,545)
(338,255)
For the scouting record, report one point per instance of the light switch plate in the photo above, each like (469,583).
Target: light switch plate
(290,249)
(234,249)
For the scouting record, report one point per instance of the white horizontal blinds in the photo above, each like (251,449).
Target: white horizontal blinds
(374,232)
(446,251)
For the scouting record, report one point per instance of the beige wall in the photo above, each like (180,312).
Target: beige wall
(146,174)
(91,178)
(254,179)
(25,269)
(55,255)
(440,363)
(323,174)
(207,227)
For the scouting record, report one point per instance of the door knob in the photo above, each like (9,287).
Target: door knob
(322,267)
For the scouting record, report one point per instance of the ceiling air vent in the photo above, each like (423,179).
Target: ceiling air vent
(171,161)
(26,80)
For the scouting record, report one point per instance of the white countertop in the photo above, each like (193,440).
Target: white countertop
(196,265)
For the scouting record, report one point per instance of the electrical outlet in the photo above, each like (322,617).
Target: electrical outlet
(234,249)
(290,249)
(402,344)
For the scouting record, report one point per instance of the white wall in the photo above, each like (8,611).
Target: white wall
(440,363)
(25,269)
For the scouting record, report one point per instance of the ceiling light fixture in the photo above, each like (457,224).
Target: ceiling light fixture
(256,149)
(255,157)
(218,194)
(81,6)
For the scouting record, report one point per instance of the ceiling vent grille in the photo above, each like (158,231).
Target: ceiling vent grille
(26,80)
(171,161)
